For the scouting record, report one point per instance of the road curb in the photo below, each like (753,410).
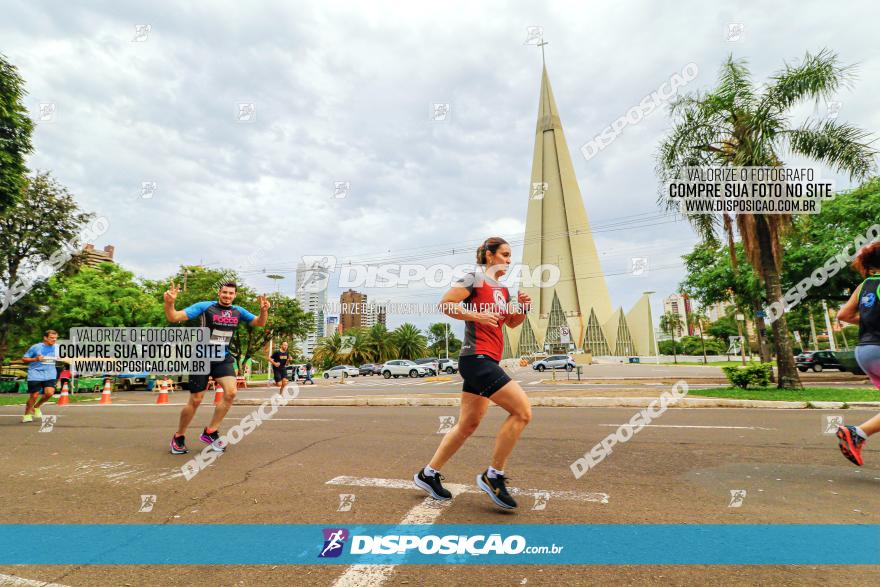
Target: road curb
(572,402)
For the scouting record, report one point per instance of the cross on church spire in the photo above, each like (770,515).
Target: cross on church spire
(541,45)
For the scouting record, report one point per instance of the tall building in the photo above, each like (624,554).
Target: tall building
(352,309)
(93,257)
(311,292)
(575,313)
(717,311)
(375,313)
(331,325)
(679,303)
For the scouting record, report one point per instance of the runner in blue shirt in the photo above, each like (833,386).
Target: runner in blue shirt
(222,318)
(41,375)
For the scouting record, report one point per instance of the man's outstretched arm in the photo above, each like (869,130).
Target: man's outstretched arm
(264,312)
(171,314)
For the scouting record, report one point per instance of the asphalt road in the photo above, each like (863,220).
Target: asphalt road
(97,462)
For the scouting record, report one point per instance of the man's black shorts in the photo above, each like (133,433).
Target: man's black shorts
(278,374)
(40,386)
(482,375)
(224,368)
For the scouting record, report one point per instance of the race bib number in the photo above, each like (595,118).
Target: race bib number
(222,337)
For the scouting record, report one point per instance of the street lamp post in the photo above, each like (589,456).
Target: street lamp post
(446,336)
(277,279)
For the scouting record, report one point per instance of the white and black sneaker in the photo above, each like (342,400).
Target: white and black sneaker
(432,485)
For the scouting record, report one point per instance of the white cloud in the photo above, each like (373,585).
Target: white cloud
(343,92)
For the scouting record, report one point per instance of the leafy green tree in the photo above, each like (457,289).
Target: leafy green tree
(670,323)
(437,334)
(38,236)
(740,124)
(815,238)
(410,342)
(722,329)
(711,279)
(16,128)
(287,321)
(107,295)
(668,347)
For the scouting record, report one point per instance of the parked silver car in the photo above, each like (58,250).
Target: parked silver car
(555,362)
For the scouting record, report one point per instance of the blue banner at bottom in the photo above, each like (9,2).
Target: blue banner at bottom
(517,544)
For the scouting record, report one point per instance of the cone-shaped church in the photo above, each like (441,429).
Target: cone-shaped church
(558,233)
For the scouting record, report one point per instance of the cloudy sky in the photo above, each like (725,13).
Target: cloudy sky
(344,91)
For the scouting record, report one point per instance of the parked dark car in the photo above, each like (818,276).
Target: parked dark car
(817,361)
(370,369)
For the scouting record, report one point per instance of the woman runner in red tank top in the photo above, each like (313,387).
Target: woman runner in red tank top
(484,304)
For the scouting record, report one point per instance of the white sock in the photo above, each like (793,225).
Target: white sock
(494,473)
(861,432)
(429,472)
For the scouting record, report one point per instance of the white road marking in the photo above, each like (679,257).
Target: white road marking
(424,513)
(12,581)
(682,426)
(408,484)
(299,420)
(373,575)
(533,383)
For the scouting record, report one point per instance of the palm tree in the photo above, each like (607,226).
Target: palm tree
(697,319)
(670,322)
(410,342)
(740,124)
(381,344)
(327,350)
(358,350)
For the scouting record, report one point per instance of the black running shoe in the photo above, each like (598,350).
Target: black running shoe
(432,485)
(178,445)
(214,440)
(496,489)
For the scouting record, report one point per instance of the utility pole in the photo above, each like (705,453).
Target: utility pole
(828,326)
(813,330)
(446,331)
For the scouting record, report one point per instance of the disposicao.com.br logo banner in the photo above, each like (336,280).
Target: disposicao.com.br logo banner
(439,544)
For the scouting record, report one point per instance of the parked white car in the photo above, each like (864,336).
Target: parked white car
(341,371)
(448,365)
(402,368)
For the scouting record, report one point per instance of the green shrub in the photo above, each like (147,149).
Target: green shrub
(754,374)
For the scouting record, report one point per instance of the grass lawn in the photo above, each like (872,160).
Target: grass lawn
(14,399)
(718,363)
(819,394)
